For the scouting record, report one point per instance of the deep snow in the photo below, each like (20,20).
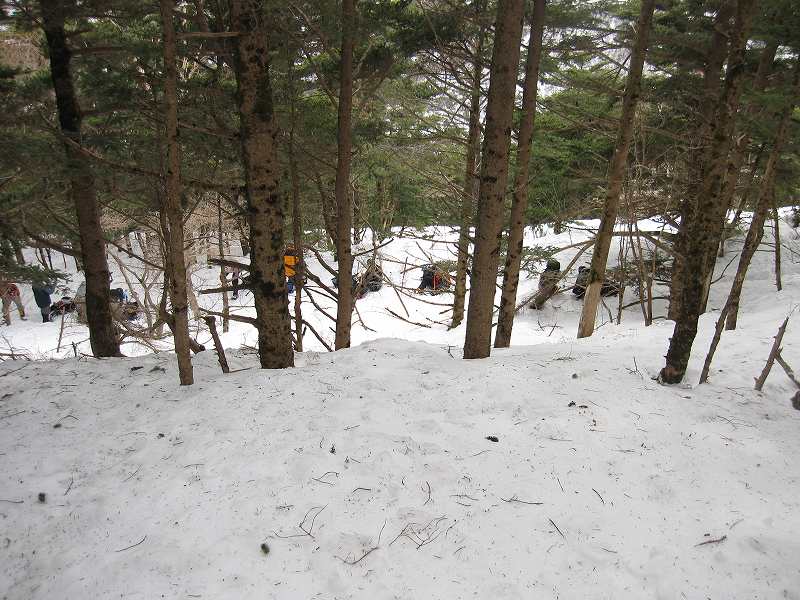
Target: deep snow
(152,490)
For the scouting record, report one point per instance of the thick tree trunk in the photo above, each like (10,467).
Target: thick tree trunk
(519,202)
(766,198)
(706,225)
(297,215)
(470,188)
(171,201)
(493,178)
(102,332)
(715,59)
(265,207)
(344,209)
(616,173)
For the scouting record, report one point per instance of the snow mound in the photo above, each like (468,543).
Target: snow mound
(368,474)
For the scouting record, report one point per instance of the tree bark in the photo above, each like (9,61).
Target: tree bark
(223,278)
(265,207)
(776,223)
(470,183)
(705,227)
(344,208)
(493,178)
(736,161)
(616,172)
(102,332)
(715,59)
(171,200)
(519,202)
(297,215)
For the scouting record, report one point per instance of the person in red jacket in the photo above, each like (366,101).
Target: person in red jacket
(10,293)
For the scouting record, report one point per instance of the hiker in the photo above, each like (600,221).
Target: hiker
(10,293)
(372,278)
(434,279)
(41,293)
(548,284)
(290,262)
(609,288)
(63,306)
(118,295)
(235,274)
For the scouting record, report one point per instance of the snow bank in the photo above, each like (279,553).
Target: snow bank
(602,484)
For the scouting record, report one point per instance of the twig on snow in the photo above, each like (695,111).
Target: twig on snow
(132,474)
(132,545)
(321,480)
(366,552)
(13,414)
(307,532)
(514,499)
(598,495)
(716,541)
(429,493)
(557,529)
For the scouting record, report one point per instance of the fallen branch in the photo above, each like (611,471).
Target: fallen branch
(212,327)
(776,348)
(394,314)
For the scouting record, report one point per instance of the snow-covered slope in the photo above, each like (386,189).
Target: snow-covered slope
(367,473)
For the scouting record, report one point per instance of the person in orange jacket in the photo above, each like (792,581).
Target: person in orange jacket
(290,262)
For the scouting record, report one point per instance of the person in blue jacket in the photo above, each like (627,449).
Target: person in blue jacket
(41,293)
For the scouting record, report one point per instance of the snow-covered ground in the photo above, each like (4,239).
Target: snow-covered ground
(367,473)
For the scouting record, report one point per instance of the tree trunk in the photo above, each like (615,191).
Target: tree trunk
(102,332)
(519,202)
(705,226)
(616,173)
(715,59)
(493,178)
(736,161)
(265,207)
(766,199)
(344,209)
(766,193)
(776,223)
(470,183)
(171,201)
(297,220)
(223,278)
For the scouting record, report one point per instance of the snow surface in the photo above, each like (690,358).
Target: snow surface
(378,456)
